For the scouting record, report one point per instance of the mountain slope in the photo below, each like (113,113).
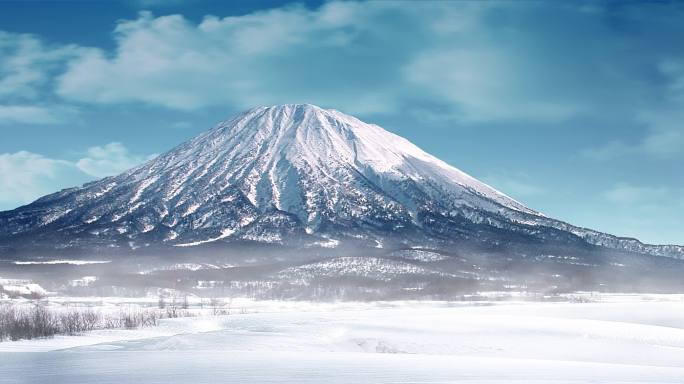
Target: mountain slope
(296,175)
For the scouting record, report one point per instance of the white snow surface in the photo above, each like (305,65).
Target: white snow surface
(66,261)
(224,233)
(22,288)
(620,339)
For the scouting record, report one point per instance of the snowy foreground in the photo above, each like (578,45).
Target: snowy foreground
(618,339)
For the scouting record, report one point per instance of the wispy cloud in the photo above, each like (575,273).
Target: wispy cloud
(664,138)
(651,213)
(25,176)
(627,194)
(27,70)
(28,64)
(517,185)
(266,57)
(475,62)
(486,84)
(36,114)
(109,159)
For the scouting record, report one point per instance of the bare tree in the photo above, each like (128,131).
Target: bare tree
(23,322)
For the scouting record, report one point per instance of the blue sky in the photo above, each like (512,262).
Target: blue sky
(574,108)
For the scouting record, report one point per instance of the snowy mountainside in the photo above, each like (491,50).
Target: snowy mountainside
(295,175)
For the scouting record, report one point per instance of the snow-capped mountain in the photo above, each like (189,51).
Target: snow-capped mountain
(296,175)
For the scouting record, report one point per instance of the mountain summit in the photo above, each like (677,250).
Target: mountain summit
(297,175)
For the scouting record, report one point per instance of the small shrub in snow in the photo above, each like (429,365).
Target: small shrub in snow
(29,322)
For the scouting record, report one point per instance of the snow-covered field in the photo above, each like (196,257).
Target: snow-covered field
(618,339)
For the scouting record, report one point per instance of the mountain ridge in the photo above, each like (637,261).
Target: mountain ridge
(294,171)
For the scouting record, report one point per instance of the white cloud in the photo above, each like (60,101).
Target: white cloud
(28,65)
(374,57)
(34,114)
(651,213)
(485,85)
(627,194)
(664,138)
(181,124)
(109,159)
(26,176)
(27,68)
(517,186)
(665,143)
(673,69)
(474,62)
(610,150)
(170,61)
(343,54)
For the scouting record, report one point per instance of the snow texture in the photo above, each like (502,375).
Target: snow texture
(616,340)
